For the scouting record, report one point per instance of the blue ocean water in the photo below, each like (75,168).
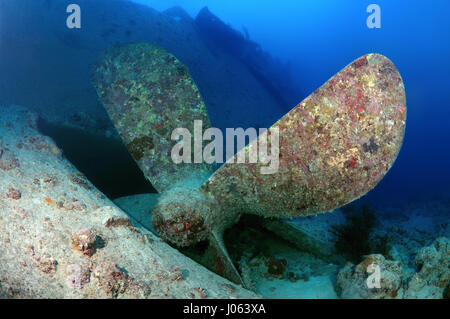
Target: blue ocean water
(319,38)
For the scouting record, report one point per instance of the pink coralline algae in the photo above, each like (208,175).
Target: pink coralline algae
(14,194)
(77,275)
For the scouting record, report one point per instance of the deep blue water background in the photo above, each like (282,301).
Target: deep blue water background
(321,37)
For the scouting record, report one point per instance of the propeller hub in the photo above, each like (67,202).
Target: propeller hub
(179,217)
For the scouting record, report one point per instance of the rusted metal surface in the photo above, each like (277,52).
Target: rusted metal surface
(335,146)
(147,93)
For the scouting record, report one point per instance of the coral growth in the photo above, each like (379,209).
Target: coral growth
(85,241)
(8,161)
(77,275)
(80,180)
(433,276)
(13,193)
(352,280)
(112,279)
(431,280)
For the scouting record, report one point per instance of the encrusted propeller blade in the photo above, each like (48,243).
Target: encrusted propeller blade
(148,93)
(335,146)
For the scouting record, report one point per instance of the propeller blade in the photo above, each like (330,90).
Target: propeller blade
(147,93)
(334,147)
(221,262)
